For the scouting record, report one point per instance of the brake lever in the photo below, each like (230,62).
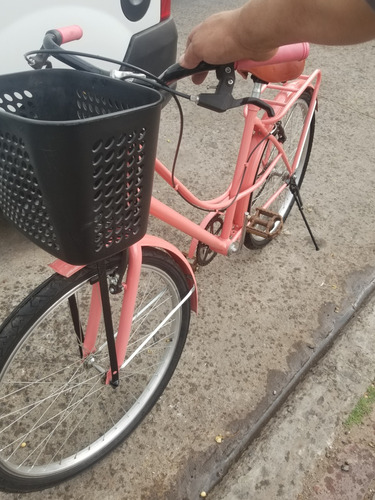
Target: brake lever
(219,103)
(222,99)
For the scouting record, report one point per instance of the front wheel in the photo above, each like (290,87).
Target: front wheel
(57,415)
(293,123)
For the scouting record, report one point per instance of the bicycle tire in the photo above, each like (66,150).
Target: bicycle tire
(57,417)
(284,203)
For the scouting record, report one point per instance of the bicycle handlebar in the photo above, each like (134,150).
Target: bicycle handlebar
(220,101)
(286,53)
(178,72)
(53,39)
(69,33)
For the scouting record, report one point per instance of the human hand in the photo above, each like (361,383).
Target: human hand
(219,40)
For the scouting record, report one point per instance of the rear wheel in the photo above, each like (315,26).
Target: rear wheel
(57,416)
(292,123)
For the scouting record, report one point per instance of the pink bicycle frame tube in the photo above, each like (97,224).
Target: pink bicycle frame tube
(211,205)
(130,295)
(173,218)
(93,322)
(296,88)
(239,175)
(128,305)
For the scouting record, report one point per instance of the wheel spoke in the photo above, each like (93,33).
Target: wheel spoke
(293,124)
(152,334)
(65,419)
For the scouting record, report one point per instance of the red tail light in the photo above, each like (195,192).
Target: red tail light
(165,10)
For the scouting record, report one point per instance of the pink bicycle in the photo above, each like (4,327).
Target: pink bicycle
(88,353)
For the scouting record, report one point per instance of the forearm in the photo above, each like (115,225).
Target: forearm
(331,22)
(255,30)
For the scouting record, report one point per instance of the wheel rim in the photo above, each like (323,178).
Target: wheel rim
(293,123)
(75,421)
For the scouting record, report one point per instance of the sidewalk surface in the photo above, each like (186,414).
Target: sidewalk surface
(305,452)
(265,318)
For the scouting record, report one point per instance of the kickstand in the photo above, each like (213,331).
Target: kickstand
(294,189)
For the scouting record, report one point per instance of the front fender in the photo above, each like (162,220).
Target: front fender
(179,258)
(67,270)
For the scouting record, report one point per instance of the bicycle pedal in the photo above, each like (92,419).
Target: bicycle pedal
(265,224)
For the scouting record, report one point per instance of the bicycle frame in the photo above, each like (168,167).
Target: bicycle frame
(236,198)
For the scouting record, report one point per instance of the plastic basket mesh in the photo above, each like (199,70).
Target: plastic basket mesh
(76,163)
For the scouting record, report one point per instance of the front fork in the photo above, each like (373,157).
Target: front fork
(130,294)
(126,317)
(100,306)
(130,288)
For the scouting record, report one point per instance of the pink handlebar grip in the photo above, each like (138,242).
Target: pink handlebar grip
(286,53)
(70,33)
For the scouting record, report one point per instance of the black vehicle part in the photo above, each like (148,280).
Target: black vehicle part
(177,72)
(134,10)
(154,49)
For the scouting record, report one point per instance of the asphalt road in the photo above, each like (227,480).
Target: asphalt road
(265,316)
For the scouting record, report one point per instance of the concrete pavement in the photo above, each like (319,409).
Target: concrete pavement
(301,454)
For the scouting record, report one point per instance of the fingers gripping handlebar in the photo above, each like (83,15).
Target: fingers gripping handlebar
(222,100)
(286,53)
(177,72)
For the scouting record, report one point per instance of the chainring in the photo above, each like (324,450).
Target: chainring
(204,253)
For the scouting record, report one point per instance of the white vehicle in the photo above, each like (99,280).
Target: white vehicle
(140,32)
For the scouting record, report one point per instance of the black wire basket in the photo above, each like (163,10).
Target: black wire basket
(77,155)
